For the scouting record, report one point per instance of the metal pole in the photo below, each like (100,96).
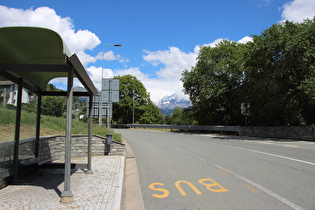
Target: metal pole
(108,107)
(100,105)
(133,102)
(101,100)
(67,195)
(4,97)
(108,137)
(39,110)
(89,171)
(100,117)
(17,130)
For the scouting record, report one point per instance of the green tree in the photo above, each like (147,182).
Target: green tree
(280,74)
(213,84)
(151,114)
(134,94)
(53,105)
(182,116)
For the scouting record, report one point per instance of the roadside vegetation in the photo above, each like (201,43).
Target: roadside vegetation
(135,103)
(50,125)
(274,75)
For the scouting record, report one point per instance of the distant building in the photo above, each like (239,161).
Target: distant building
(8,93)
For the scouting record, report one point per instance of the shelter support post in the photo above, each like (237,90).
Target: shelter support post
(67,195)
(39,111)
(89,171)
(17,130)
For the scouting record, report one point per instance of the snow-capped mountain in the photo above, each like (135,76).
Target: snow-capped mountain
(168,103)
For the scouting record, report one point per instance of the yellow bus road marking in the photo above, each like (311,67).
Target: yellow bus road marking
(209,183)
(223,172)
(189,184)
(251,188)
(165,192)
(262,142)
(292,146)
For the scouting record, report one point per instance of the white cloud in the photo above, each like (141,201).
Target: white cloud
(135,71)
(108,56)
(85,58)
(212,44)
(95,74)
(173,62)
(298,10)
(157,87)
(46,17)
(245,39)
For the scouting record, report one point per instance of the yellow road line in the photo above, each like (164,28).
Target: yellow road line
(251,188)
(223,172)
(265,142)
(292,146)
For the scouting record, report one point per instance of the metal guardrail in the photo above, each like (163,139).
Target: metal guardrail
(220,128)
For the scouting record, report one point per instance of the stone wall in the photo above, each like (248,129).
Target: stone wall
(53,148)
(287,132)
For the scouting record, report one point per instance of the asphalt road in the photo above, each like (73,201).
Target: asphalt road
(191,171)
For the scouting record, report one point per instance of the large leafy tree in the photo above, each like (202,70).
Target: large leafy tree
(213,84)
(280,74)
(134,94)
(275,74)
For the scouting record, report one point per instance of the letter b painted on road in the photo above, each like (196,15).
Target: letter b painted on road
(214,186)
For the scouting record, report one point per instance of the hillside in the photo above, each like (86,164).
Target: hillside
(49,126)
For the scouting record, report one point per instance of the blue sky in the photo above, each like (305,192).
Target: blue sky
(159,38)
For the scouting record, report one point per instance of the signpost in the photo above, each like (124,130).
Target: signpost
(103,103)
(245,110)
(110,95)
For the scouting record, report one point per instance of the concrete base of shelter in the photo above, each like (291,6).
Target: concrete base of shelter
(89,172)
(66,199)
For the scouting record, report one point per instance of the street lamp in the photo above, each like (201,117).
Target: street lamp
(101,100)
(133,102)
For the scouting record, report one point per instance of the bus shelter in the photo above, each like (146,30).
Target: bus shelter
(31,57)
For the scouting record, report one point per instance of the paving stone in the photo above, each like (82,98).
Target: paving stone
(91,191)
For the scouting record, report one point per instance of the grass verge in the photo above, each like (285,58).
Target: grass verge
(49,126)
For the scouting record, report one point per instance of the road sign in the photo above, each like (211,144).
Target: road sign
(114,85)
(96,108)
(245,109)
(105,84)
(110,96)
(110,84)
(110,90)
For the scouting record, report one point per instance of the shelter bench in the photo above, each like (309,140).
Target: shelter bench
(34,161)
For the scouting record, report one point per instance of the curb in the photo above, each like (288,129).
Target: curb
(119,186)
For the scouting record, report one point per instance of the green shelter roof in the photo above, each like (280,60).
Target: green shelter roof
(38,55)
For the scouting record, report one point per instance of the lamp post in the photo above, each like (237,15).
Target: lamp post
(133,102)
(101,100)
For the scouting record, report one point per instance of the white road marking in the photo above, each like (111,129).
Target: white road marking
(269,192)
(270,154)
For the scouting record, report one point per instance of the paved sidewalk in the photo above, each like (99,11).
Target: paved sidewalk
(100,190)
